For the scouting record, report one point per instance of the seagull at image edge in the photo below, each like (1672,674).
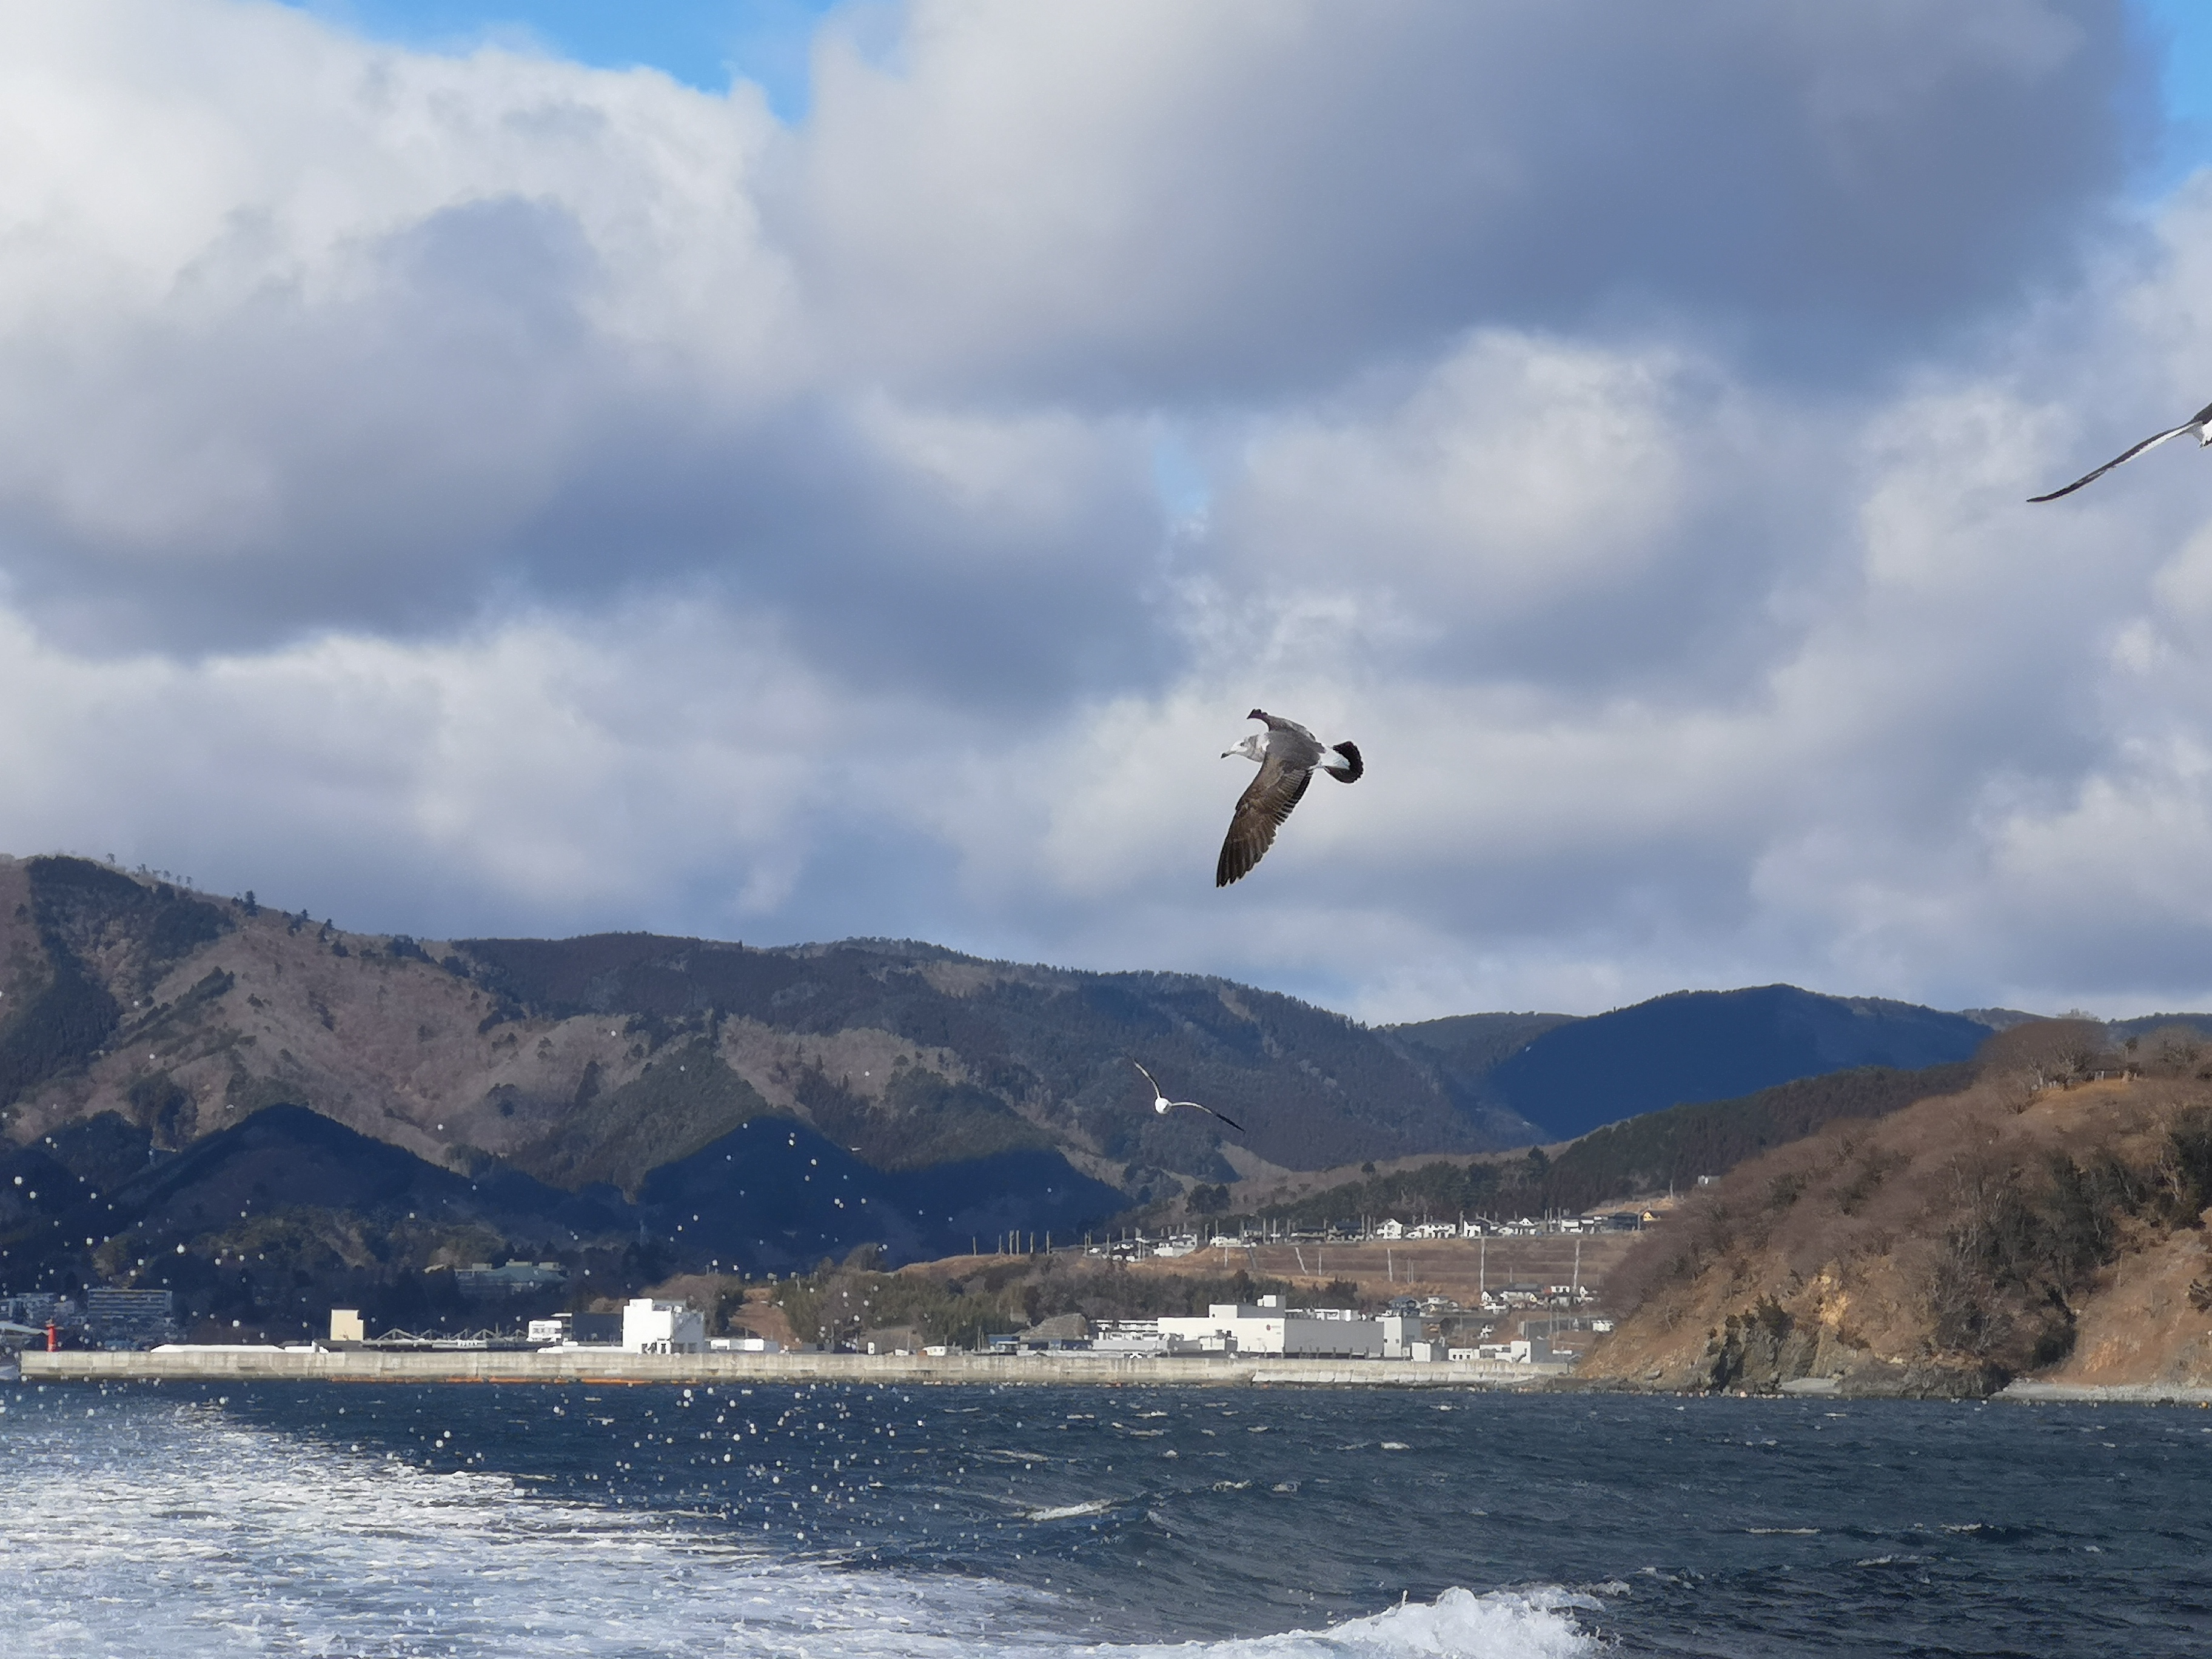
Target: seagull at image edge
(1288,756)
(2197,423)
(1163,1105)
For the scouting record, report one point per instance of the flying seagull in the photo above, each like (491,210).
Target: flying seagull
(1163,1105)
(2197,423)
(1288,756)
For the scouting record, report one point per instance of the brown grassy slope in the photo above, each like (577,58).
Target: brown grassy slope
(397,1047)
(1970,1239)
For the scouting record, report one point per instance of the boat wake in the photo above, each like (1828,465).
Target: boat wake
(136,1517)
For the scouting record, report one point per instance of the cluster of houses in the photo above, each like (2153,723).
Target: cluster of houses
(107,1317)
(1136,1247)
(1614,1221)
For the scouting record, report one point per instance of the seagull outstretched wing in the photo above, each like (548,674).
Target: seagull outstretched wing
(2195,423)
(1210,1112)
(1260,810)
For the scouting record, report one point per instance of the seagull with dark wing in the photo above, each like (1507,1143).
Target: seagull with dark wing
(2200,423)
(1288,756)
(1163,1105)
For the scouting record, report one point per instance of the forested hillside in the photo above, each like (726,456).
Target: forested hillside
(1645,1156)
(1713,1045)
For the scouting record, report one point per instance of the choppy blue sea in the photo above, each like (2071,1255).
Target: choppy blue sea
(361,1522)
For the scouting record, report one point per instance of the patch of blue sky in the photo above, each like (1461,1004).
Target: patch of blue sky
(2181,33)
(702,43)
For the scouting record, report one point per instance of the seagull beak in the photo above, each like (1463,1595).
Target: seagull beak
(1226,753)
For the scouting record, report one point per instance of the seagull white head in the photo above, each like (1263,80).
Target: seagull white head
(1254,747)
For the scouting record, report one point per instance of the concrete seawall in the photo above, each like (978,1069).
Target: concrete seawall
(2105,1393)
(467,1365)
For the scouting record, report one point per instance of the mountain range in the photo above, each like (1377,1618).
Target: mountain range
(699,1098)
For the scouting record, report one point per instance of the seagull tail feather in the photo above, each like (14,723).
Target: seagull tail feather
(1351,772)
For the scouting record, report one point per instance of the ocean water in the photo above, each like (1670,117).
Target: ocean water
(358,1522)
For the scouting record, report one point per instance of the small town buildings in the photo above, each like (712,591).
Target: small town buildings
(130,1319)
(1128,1337)
(1060,1331)
(1512,1353)
(39,1309)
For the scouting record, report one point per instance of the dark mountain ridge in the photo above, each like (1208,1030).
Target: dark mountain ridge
(1695,1045)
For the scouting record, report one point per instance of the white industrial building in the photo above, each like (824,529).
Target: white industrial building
(1129,1338)
(650,1326)
(1237,1328)
(1402,1338)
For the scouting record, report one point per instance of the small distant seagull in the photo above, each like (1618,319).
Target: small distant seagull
(2199,423)
(1288,756)
(1163,1105)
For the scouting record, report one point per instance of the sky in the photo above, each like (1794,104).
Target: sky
(788,471)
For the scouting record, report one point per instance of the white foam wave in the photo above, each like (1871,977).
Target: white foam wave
(1458,1625)
(147,1529)
(1070,1511)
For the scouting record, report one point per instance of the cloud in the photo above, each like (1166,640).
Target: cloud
(483,493)
(1155,200)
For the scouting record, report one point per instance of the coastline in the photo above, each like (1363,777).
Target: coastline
(614,1367)
(611,1366)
